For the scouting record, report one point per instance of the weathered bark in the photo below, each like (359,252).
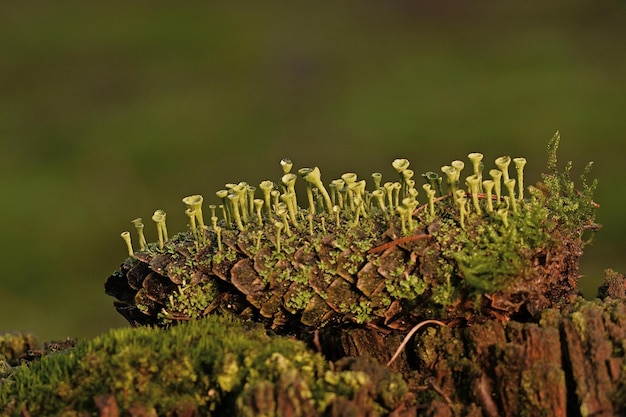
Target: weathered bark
(570,362)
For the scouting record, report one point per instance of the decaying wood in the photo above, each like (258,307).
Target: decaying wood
(570,362)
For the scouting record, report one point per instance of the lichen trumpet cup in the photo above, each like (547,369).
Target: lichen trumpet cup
(233,200)
(286,165)
(194,203)
(451,179)
(139,226)
(290,201)
(510,186)
(461,201)
(400,164)
(129,243)
(192,222)
(430,193)
(396,193)
(404,213)
(223,195)
(496,176)
(377,177)
(159,218)
(338,186)
(242,205)
(410,204)
(275,194)
(357,189)
(473,184)
(349,178)
(434,180)
(258,205)
(476,159)
(388,186)
(379,196)
(281,211)
(290,182)
(309,189)
(358,209)
(458,167)
(314,177)
(406,177)
(503,163)
(266,188)
(218,233)
(519,167)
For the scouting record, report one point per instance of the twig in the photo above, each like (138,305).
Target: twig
(409,335)
(396,242)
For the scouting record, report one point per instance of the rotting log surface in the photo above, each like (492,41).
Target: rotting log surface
(569,363)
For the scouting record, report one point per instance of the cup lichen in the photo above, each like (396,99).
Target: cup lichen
(478,252)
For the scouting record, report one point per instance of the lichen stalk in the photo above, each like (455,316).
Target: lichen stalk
(279,227)
(496,176)
(473,183)
(266,188)
(510,186)
(379,196)
(430,193)
(223,195)
(519,167)
(140,226)
(129,243)
(194,205)
(258,206)
(452,182)
(349,178)
(233,199)
(460,201)
(290,201)
(159,218)
(314,177)
(476,158)
(281,211)
(388,186)
(488,187)
(192,222)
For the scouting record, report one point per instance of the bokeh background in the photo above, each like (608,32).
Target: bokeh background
(110,110)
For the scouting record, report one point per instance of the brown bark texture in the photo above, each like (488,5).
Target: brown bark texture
(570,362)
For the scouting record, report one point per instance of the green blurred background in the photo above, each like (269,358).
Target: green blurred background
(111,110)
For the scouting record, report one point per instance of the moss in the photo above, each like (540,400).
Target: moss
(15,346)
(189,302)
(215,366)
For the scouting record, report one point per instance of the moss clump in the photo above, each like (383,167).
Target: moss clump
(213,366)
(15,346)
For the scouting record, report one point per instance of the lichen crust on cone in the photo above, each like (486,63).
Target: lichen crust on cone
(478,244)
